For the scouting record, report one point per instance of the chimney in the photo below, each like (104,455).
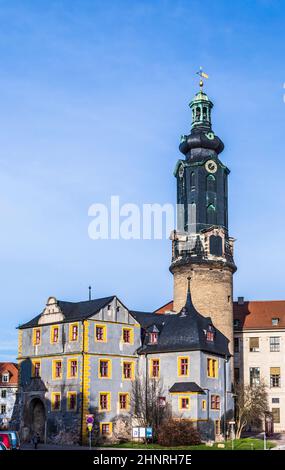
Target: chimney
(240,300)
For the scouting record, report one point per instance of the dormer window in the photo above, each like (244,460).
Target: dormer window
(275,321)
(210,336)
(210,333)
(236,323)
(5,377)
(153,337)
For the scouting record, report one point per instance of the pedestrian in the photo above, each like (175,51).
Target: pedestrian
(35,440)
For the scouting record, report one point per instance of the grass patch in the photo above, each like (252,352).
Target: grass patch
(239,444)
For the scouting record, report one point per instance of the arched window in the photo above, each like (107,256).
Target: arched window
(211,183)
(192,180)
(211,215)
(205,113)
(198,113)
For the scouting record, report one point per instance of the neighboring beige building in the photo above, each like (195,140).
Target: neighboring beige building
(259,350)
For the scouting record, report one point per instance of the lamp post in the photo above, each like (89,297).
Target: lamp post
(264,441)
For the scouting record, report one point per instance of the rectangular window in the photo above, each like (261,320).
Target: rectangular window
(154,371)
(128,335)
(101,333)
(236,345)
(153,338)
(254,376)
(5,378)
(212,368)
(128,370)
(36,336)
(184,403)
(183,366)
(210,336)
(36,369)
(236,375)
(275,400)
(56,369)
(217,427)
(215,402)
(161,401)
(3,393)
(3,409)
(55,401)
(254,344)
(276,415)
(54,335)
(274,344)
(236,323)
(73,332)
(106,429)
(275,321)
(105,369)
(72,368)
(275,377)
(104,401)
(71,401)
(124,401)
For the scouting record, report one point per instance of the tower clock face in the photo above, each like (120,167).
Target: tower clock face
(211,166)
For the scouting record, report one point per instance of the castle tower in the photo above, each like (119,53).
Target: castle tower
(201,246)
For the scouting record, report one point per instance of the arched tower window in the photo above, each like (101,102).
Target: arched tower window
(205,113)
(211,183)
(198,113)
(211,215)
(192,181)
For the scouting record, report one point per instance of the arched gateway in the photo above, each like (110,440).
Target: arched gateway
(37,417)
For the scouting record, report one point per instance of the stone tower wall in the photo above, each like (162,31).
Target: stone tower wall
(212,293)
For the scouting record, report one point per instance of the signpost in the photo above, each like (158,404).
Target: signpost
(141,432)
(90,423)
(149,433)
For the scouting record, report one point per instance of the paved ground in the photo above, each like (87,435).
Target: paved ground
(277,438)
(55,447)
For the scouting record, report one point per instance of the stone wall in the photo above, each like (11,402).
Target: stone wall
(212,293)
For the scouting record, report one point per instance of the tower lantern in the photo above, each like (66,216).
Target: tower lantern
(201,111)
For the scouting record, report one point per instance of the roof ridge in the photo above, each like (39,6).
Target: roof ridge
(86,301)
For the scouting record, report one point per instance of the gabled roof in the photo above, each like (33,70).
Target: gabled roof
(259,314)
(185,387)
(74,311)
(185,331)
(147,319)
(12,370)
(165,308)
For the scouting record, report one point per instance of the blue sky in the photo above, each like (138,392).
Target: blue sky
(93,100)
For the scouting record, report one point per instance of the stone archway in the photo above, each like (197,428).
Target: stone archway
(37,417)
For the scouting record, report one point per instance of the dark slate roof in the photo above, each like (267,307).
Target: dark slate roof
(184,331)
(185,387)
(75,311)
(147,319)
